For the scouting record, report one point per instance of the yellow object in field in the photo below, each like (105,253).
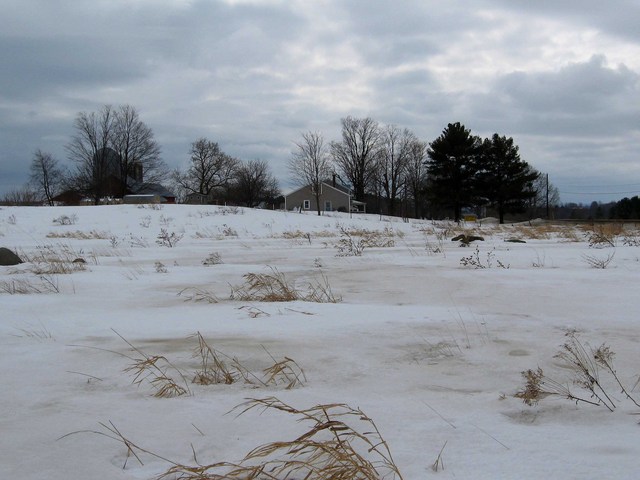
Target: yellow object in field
(470,217)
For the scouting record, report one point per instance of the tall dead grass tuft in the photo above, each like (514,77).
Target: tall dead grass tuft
(265,287)
(341,443)
(631,239)
(56,259)
(66,219)
(219,368)
(586,363)
(196,294)
(544,231)
(47,284)
(80,235)
(603,235)
(273,286)
(320,292)
(598,262)
(34,332)
(285,371)
(156,370)
(213,370)
(353,241)
(114,433)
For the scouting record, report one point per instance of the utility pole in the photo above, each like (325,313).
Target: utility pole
(548,196)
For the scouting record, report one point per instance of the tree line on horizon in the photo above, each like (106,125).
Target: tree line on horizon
(387,166)
(456,171)
(112,151)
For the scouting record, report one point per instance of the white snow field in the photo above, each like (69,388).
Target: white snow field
(430,347)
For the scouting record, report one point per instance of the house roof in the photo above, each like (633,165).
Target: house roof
(152,189)
(328,183)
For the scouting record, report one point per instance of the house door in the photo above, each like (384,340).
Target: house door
(327,206)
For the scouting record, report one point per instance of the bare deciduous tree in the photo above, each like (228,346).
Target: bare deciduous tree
(20,197)
(111,146)
(210,169)
(416,174)
(393,157)
(46,176)
(138,152)
(89,149)
(546,197)
(310,164)
(356,154)
(254,183)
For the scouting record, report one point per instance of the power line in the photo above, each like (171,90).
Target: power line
(603,185)
(599,193)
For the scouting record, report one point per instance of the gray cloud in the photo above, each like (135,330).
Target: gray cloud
(562,78)
(581,100)
(619,19)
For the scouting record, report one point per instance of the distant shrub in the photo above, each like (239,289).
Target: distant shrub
(145,221)
(597,262)
(475,261)
(603,235)
(166,239)
(78,235)
(66,219)
(213,259)
(352,242)
(160,267)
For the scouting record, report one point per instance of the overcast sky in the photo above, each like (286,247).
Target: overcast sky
(560,77)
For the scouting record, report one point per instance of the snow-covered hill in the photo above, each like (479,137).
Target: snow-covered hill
(427,338)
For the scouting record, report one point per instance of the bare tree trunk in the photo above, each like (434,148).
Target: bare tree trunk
(309,164)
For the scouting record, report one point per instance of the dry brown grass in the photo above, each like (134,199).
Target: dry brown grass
(539,386)
(603,234)
(284,372)
(39,333)
(265,287)
(320,292)
(213,369)
(353,241)
(214,258)
(168,239)
(218,368)
(341,443)
(296,234)
(79,235)
(598,262)
(631,238)
(195,294)
(273,286)
(164,377)
(66,219)
(300,237)
(586,364)
(43,284)
(545,231)
(56,259)
(154,369)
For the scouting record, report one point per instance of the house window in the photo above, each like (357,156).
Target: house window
(327,206)
(306,204)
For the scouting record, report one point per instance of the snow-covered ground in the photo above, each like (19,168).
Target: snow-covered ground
(430,348)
